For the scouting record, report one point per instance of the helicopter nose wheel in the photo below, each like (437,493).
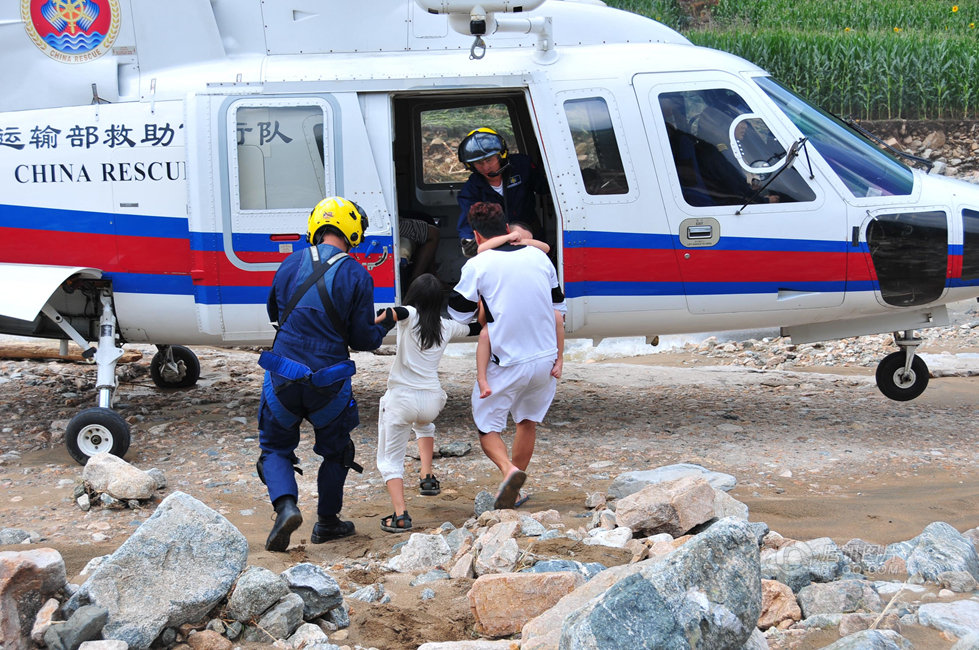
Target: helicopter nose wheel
(175,366)
(902,375)
(97,430)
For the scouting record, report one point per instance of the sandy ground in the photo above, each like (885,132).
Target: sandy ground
(817,451)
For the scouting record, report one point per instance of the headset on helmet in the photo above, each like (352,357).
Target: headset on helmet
(348,218)
(480,144)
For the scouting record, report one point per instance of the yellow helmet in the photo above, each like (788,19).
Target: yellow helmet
(348,218)
(480,144)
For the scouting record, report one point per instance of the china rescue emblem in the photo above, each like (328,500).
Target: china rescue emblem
(72,31)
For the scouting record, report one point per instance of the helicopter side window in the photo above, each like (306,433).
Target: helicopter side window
(970,245)
(909,251)
(699,126)
(279,157)
(596,146)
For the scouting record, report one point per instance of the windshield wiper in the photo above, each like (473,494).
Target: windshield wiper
(850,122)
(791,155)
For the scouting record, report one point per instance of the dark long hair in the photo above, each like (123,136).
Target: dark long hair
(425,295)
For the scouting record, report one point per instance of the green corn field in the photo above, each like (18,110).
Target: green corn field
(867,59)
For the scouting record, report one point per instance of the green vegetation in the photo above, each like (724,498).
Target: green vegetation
(869,59)
(833,16)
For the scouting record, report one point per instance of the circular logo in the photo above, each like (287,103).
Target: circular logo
(71,31)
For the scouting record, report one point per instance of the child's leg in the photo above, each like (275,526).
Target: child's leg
(482,362)
(426,447)
(396,490)
(392,441)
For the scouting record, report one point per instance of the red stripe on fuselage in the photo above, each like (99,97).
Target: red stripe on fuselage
(111,253)
(762,266)
(955,266)
(703,265)
(619,265)
(144,255)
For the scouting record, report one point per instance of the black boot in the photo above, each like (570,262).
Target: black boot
(330,528)
(287,520)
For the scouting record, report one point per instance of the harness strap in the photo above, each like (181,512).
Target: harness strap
(338,324)
(318,272)
(345,458)
(295,371)
(282,415)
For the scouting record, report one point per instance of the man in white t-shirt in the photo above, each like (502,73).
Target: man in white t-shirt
(520,293)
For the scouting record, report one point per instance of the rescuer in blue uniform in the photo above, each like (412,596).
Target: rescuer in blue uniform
(323,302)
(509,180)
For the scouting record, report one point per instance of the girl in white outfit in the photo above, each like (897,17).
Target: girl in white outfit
(414,396)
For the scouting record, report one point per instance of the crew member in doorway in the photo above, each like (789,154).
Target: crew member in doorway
(510,180)
(323,302)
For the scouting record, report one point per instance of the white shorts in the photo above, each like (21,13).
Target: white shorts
(524,391)
(402,410)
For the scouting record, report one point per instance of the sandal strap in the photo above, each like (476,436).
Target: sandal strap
(395,520)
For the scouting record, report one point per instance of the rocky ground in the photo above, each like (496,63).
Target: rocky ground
(816,450)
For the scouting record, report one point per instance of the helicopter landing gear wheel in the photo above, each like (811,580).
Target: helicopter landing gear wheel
(897,383)
(175,366)
(97,430)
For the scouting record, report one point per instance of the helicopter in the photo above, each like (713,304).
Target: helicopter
(159,160)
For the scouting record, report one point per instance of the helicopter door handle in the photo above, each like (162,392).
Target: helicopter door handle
(700,232)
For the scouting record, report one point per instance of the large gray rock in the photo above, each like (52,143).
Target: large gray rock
(173,570)
(10,536)
(422,552)
(872,640)
(497,550)
(939,548)
(108,474)
(672,507)
(960,618)
(544,632)
(256,590)
(319,591)
(705,594)
(626,484)
(968,642)
(479,644)
(27,580)
(757,641)
(841,596)
(279,622)
(727,506)
(589,570)
(84,625)
(799,563)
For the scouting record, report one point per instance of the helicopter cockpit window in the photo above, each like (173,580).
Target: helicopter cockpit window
(279,157)
(596,146)
(725,154)
(864,169)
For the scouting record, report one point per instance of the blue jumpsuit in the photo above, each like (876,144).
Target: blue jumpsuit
(309,337)
(521,181)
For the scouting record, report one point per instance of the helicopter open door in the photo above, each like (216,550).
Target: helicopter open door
(270,159)
(753,231)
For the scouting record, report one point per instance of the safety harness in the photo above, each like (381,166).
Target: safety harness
(325,378)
